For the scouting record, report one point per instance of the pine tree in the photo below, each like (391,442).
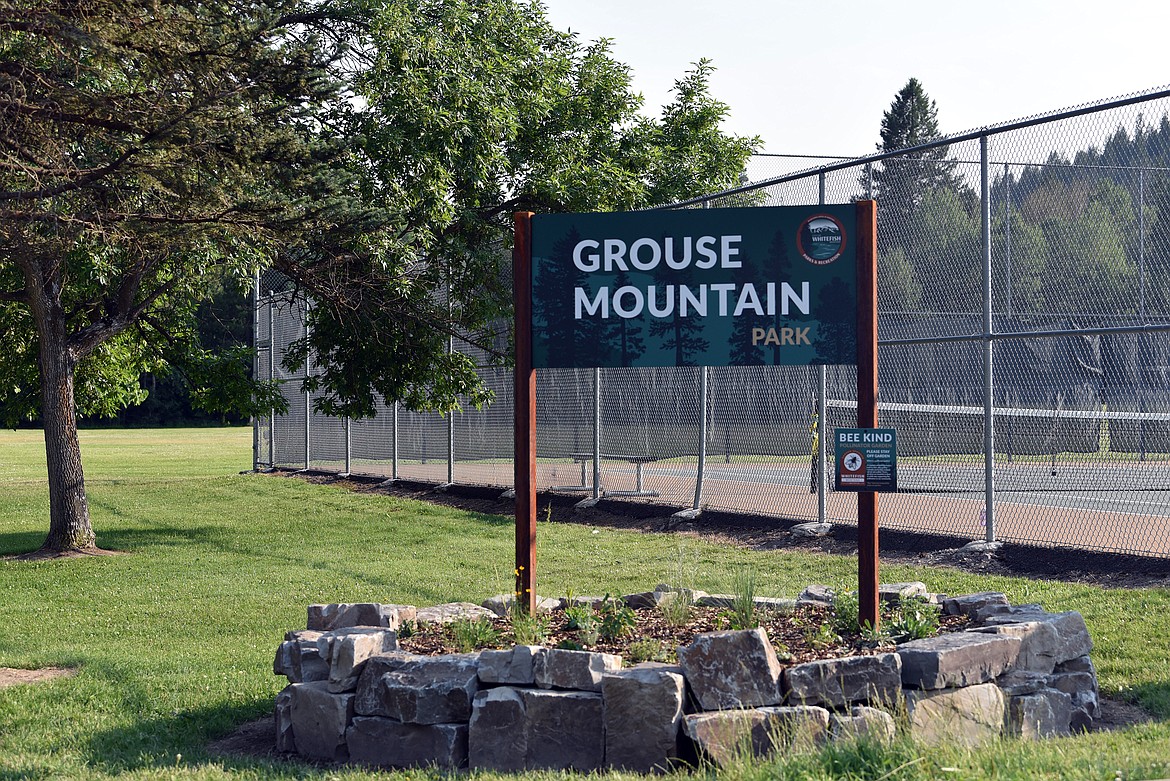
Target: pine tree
(901,182)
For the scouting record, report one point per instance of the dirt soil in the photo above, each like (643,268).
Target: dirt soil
(48,555)
(11,676)
(649,637)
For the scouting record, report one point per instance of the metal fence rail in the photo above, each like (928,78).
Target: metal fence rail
(1024,311)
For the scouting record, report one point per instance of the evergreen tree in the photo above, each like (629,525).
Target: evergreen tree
(901,182)
(743,352)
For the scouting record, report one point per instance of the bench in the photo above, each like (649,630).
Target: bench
(586,458)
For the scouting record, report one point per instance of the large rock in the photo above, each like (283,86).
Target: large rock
(325,618)
(724,736)
(501,604)
(1019,682)
(836,683)
(1081,687)
(1073,639)
(452,611)
(971,716)
(970,604)
(497,737)
(511,666)
(565,730)
(644,600)
(525,729)
(319,720)
(892,592)
(1039,644)
(956,659)
(298,660)
(431,690)
(555,668)
(816,595)
(388,743)
(368,697)
(643,710)
(735,669)
(347,649)
(862,724)
(1044,714)
(781,605)
(282,718)
(1081,664)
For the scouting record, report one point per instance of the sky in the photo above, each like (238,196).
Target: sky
(814,77)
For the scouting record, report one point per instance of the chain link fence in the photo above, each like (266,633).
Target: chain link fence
(1024,359)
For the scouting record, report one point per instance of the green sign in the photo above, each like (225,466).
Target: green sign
(695,287)
(867,459)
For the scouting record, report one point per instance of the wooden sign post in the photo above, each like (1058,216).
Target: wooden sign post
(524,376)
(867,417)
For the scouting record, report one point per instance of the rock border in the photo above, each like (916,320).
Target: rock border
(354,696)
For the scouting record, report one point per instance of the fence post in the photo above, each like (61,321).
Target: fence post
(450,414)
(702,439)
(394,437)
(308,397)
(256,363)
(596,433)
(988,361)
(1141,304)
(822,411)
(347,449)
(697,504)
(271,376)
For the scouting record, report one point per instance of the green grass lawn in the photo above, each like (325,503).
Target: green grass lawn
(174,641)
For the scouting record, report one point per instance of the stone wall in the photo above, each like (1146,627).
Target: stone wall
(353,696)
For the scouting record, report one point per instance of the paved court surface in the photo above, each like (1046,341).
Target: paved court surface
(1094,506)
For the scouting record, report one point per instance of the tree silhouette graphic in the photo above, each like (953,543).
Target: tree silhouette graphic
(624,336)
(743,352)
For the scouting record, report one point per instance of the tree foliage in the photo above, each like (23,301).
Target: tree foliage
(475,110)
(901,182)
(152,153)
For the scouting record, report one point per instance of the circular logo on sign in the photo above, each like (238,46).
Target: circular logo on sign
(821,239)
(852,462)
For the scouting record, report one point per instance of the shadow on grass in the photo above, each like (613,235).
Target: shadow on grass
(138,542)
(1153,697)
(16,543)
(179,740)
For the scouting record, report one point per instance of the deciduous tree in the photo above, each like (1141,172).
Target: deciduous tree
(371,151)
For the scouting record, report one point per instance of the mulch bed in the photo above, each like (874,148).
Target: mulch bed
(795,637)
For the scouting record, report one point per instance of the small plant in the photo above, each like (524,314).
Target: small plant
(591,634)
(616,619)
(570,645)
(821,636)
(646,650)
(743,601)
(471,634)
(846,616)
(406,629)
(528,629)
(579,617)
(676,607)
(783,654)
(913,618)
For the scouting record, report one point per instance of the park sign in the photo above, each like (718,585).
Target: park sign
(695,287)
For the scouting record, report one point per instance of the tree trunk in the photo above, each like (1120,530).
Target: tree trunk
(69,525)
